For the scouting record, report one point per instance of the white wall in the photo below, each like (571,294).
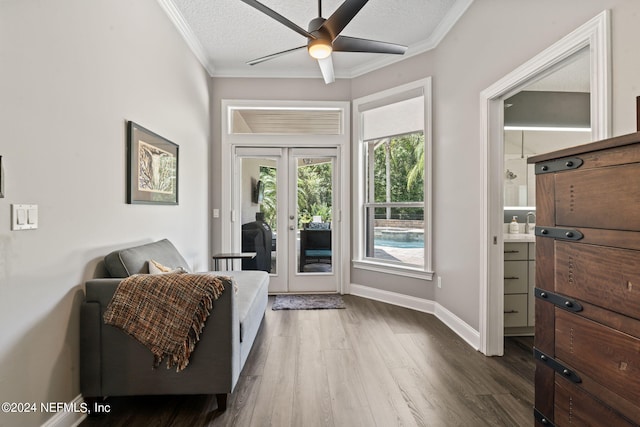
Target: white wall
(492,39)
(72,73)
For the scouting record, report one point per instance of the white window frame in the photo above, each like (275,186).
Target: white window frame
(360,260)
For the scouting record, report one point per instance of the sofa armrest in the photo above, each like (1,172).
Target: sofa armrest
(90,357)
(101,290)
(115,364)
(98,294)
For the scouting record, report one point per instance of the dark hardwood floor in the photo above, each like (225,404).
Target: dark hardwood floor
(372,364)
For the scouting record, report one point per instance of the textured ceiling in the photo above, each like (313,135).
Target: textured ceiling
(225,34)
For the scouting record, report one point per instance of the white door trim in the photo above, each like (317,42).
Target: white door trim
(594,34)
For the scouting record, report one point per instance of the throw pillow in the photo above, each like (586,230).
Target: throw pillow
(156,268)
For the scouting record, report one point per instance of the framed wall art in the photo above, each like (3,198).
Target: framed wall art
(152,170)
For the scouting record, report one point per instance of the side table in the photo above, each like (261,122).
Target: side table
(229,257)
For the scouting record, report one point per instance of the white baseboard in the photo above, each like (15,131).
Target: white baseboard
(414,303)
(453,322)
(459,326)
(67,419)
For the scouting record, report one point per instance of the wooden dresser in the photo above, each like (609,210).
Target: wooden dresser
(587,296)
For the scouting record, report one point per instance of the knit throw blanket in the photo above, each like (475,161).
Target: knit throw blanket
(165,312)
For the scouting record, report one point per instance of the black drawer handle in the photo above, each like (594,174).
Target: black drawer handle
(542,419)
(559,233)
(557,366)
(557,165)
(558,300)
(512,278)
(512,252)
(511,312)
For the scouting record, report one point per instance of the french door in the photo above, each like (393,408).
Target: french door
(292,194)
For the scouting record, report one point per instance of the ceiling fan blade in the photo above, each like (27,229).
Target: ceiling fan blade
(274,55)
(353,44)
(342,16)
(326,67)
(281,19)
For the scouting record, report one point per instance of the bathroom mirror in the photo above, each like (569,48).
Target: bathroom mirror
(519,177)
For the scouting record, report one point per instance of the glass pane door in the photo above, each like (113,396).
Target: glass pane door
(286,202)
(262,181)
(312,233)
(315,206)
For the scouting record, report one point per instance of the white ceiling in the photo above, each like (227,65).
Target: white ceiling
(225,34)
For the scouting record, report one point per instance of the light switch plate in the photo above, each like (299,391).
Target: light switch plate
(24,217)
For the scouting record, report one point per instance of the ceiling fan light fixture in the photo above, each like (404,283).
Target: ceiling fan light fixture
(319,49)
(324,36)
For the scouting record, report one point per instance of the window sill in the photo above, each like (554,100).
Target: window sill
(398,270)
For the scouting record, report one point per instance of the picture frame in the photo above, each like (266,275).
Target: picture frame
(152,167)
(258,192)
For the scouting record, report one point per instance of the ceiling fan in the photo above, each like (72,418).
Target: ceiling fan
(324,36)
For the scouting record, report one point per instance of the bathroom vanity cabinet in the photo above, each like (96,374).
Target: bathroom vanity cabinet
(587,295)
(519,278)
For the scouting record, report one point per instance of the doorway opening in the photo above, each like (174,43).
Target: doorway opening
(288,201)
(286,197)
(592,37)
(546,115)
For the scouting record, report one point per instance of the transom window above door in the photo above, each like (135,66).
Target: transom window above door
(283,121)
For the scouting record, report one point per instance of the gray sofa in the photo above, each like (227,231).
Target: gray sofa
(113,363)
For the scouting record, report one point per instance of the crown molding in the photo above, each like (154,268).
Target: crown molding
(447,23)
(187,34)
(449,20)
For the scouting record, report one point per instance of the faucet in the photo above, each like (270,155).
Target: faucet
(528,224)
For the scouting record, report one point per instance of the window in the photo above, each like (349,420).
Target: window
(393,164)
(284,121)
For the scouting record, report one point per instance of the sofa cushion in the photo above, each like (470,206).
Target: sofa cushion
(252,287)
(125,262)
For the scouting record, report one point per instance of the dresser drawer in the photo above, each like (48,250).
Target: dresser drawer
(515,310)
(602,276)
(516,277)
(515,251)
(605,198)
(574,406)
(606,359)
(587,313)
